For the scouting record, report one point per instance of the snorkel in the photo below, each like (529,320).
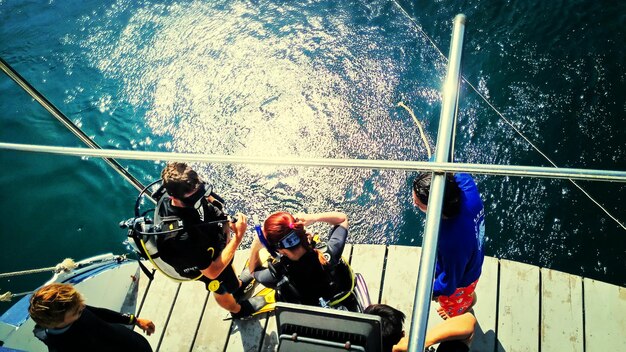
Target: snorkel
(288,241)
(262,239)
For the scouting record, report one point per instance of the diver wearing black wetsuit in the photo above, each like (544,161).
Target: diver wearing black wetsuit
(307,279)
(203,248)
(97,329)
(198,245)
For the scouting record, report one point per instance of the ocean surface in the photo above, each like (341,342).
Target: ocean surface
(314,79)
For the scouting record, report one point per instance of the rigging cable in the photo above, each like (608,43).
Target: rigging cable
(507,121)
(54,111)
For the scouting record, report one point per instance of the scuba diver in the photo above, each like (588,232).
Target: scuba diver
(197,240)
(304,271)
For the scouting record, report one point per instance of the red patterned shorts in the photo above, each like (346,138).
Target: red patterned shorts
(458,302)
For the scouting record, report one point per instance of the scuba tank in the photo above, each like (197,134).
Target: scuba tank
(147,234)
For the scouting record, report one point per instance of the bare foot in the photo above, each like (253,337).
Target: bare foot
(442,313)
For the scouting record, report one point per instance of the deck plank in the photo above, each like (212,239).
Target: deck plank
(561,312)
(246,335)
(400,279)
(368,259)
(142,289)
(485,308)
(527,319)
(605,316)
(270,339)
(158,304)
(518,311)
(185,318)
(213,331)
(347,253)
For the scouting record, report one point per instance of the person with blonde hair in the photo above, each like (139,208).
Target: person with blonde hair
(66,323)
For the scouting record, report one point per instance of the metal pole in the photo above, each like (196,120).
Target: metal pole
(421,303)
(9,71)
(400,165)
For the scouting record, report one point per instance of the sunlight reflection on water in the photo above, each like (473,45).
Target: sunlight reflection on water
(233,79)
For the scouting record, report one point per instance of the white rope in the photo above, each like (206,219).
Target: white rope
(419,28)
(66,265)
(419,126)
(8,296)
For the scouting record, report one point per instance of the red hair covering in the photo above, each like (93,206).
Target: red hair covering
(280,224)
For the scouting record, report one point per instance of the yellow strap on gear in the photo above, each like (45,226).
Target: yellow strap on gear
(340,299)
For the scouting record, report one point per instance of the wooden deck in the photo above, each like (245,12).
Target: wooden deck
(520,307)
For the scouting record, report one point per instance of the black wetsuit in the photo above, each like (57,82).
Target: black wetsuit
(198,245)
(188,252)
(97,329)
(308,276)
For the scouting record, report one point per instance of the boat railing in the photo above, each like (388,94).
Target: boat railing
(443,164)
(60,116)
(372,164)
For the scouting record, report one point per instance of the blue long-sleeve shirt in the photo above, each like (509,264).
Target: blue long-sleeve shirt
(460,247)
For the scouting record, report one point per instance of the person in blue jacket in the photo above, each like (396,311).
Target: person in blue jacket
(460,246)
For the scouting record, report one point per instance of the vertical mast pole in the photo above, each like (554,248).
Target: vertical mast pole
(421,302)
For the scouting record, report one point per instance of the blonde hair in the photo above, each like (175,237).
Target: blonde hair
(49,304)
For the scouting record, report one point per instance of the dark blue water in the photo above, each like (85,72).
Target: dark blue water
(314,79)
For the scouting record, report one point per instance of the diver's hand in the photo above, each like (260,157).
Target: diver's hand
(146,325)
(240,227)
(305,219)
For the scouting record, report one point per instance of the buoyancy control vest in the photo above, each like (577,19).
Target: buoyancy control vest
(180,242)
(307,281)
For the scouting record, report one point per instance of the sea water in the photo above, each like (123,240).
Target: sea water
(314,79)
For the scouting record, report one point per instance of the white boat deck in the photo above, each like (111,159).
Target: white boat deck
(520,307)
